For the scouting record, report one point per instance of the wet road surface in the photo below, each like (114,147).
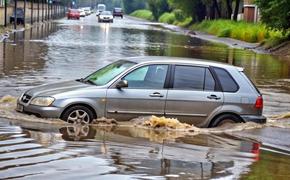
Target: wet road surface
(66,50)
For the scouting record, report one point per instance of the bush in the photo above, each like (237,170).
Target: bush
(144,14)
(185,23)
(240,30)
(168,18)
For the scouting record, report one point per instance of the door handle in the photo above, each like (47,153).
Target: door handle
(213,97)
(156,94)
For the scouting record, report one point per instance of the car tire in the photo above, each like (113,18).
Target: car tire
(225,119)
(78,115)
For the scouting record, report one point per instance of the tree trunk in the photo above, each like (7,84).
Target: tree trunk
(229,8)
(237,9)
(217,8)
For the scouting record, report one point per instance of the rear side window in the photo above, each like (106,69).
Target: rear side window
(193,78)
(227,82)
(209,84)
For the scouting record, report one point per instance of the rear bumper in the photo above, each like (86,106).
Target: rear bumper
(256,119)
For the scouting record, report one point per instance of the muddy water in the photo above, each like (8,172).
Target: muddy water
(34,151)
(32,148)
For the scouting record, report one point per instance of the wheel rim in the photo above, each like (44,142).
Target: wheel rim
(78,117)
(226,122)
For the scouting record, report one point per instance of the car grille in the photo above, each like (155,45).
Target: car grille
(25,98)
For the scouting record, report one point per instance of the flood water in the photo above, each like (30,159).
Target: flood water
(65,50)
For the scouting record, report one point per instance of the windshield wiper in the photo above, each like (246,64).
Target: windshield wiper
(90,82)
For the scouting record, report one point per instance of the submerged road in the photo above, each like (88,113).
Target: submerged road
(70,49)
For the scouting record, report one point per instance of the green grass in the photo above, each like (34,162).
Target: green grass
(143,14)
(240,30)
(168,18)
(175,18)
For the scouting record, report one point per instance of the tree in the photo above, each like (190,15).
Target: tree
(132,5)
(158,7)
(275,13)
(193,8)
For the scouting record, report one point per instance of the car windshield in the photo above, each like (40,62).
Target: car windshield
(74,11)
(109,72)
(106,13)
(118,10)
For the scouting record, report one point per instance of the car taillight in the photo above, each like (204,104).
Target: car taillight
(259,102)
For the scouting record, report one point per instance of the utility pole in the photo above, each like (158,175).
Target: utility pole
(24,18)
(31,14)
(42,12)
(38,11)
(5,13)
(15,14)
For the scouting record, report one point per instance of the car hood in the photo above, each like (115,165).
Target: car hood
(57,88)
(106,16)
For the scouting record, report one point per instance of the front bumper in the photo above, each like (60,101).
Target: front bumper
(45,112)
(253,118)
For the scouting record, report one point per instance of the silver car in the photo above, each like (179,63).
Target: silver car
(199,92)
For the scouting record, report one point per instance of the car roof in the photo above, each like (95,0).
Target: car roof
(180,60)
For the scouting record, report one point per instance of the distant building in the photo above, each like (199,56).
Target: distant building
(251,11)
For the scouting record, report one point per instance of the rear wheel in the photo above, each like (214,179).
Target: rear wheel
(78,115)
(225,119)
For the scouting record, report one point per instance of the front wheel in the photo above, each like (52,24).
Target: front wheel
(225,119)
(78,115)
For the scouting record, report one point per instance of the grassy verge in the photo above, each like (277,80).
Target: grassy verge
(176,17)
(249,32)
(143,14)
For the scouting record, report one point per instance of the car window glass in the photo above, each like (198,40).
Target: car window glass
(189,77)
(227,82)
(107,73)
(152,76)
(209,81)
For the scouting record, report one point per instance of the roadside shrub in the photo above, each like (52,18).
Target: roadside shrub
(185,23)
(240,30)
(143,14)
(225,33)
(168,18)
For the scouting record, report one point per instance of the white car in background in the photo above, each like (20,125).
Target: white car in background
(82,13)
(87,11)
(105,16)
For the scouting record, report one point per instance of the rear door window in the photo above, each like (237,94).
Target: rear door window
(193,78)
(189,77)
(226,80)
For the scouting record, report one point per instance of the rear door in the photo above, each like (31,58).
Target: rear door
(193,94)
(145,94)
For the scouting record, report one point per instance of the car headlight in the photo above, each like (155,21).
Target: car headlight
(42,101)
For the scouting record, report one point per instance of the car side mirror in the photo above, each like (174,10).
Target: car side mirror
(122,84)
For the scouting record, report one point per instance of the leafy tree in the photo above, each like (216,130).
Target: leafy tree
(193,8)
(158,7)
(132,5)
(275,13)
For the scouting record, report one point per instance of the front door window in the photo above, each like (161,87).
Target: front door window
(147,77)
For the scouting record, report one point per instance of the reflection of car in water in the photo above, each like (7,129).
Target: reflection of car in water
(73,14)
(106,16)
(77,132)
(101,8)
(118,12)
(19,16)
(127,89)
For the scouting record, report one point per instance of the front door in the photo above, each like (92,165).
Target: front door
(145,94)
(193,95)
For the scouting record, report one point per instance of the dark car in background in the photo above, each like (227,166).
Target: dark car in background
(73,14)
(118,12)
(19,16)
